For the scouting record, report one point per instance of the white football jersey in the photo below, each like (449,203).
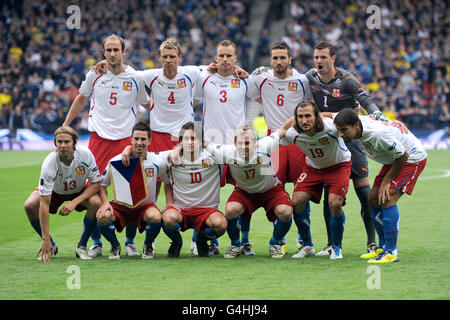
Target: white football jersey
(152,170)
(224,105)
(385,142)
(324,149)
(196,184)
(113,102)
(255,175)
(59,178)
(171,99)
(279,96)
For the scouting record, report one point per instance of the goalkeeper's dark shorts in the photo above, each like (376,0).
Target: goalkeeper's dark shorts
(360,165)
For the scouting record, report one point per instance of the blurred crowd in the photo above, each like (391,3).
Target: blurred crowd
(401,56)
(404,63)
(43,61)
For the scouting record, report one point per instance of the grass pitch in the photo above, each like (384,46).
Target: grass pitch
(422,273)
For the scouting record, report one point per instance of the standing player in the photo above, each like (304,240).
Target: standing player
(196,194)
(256,185)
(147,215)
(334,89)
(113,98)
(63,178)
(224,104)
(281,89)
(328,161)
(403,158)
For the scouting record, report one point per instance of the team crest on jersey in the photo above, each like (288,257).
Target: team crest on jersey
(336,93)
(149,172)
(235,83)
(127,86)
(79,171)
(181,83)
(206,163)
(323,141)
(292,86)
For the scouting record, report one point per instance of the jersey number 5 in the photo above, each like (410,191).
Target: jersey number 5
(113,98)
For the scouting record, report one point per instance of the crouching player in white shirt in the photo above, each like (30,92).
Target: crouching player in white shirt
(196,193)
(256,185)
(146,215)
(403,158)
(64,177)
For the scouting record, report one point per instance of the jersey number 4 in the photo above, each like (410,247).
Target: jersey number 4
(171,98)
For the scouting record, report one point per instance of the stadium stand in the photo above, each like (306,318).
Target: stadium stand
(404,64)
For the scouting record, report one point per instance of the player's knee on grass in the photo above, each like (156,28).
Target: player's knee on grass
(233,210)
(284,212)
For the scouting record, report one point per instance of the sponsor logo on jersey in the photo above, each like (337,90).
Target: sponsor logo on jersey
(336,92)
(80,171)
(149,172)
(181,83)
(127,86)
(292,86)
(323,141)
(235,83)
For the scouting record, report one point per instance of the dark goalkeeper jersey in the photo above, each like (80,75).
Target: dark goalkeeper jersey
(341,92)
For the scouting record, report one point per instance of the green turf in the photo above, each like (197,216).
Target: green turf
(424,248)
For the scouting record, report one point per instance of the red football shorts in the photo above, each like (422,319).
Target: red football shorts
(312,180)
(194,218)
(162,141)
(405,179)
(288,162)
(104,149)
(126,216)
(57,200)
(269,200)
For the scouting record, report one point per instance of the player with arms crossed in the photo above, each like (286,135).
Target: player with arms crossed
(403,158)
(196,193)
(64,177)
(256,185)
(146,216)
(281,89)
(328,161)
(114,96)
